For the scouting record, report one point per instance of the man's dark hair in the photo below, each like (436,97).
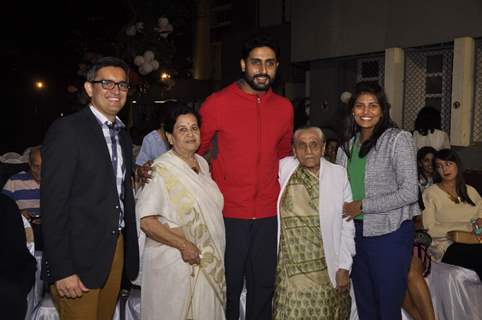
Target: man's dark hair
(428,119)
(258,41)
(106,62)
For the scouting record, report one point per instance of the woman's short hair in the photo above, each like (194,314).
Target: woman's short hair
(318,131)
(461,187)
(173,111)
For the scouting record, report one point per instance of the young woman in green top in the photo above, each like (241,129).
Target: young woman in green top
(381,164)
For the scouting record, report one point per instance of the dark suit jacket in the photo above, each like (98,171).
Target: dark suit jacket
(17,266)
(80,202)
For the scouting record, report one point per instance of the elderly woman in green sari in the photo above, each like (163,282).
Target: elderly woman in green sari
(183,239)
(315,245)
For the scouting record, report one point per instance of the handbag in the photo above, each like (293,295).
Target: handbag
(422,237)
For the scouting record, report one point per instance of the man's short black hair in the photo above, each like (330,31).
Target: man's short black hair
(106,62)
(258,41)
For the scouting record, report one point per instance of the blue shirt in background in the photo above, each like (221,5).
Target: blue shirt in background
(152,147)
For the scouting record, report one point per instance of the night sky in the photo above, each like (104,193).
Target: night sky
(44,41)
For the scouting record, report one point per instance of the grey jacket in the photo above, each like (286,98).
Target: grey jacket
(391,190)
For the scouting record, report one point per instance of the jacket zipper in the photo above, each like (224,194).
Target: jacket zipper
(258,151)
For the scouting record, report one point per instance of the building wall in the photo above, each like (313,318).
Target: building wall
(471,156)
(328,79)
(335,28)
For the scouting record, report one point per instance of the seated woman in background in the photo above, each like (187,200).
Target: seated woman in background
(331,149)
(425,167)
(417,301)
(450,205)
(428,130)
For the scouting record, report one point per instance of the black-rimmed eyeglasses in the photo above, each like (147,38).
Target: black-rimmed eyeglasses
(109,84)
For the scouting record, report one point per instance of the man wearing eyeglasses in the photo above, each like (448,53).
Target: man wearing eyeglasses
(89,227)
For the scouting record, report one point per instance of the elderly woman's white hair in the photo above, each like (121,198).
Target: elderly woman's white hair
(303,129)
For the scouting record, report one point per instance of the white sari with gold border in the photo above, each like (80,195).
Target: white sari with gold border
(171,288)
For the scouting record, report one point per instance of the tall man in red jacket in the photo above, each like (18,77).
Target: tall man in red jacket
(253,126)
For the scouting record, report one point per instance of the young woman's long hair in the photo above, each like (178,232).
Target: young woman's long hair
(421,153)
(461,187)
(350,126)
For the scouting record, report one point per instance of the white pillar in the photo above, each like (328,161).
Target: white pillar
(394,76)
(462,91)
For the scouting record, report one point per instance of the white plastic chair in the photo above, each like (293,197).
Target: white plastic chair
(45,310)
(11,157)
(133,305)
(455,292)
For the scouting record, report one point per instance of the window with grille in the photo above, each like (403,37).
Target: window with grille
(371,69)
(428,82)
(477,118)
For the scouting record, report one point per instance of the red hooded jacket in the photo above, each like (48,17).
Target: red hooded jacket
(253,134)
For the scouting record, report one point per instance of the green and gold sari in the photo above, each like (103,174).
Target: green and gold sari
(303,288)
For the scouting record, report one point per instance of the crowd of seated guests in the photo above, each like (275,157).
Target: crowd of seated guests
(448,205)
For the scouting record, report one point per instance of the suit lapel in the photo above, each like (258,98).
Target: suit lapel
(95,130)
(100,145)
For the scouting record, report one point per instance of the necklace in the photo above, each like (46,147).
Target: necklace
(454,199)
(192,162)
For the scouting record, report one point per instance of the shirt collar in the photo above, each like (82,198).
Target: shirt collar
(102,119)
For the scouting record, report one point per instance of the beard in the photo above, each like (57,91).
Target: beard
(258,86)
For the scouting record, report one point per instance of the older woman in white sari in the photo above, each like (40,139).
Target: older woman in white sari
(180,212)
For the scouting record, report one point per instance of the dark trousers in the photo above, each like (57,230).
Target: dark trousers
(13,302)
(37,234)
(380,270)
(465,255)
(251,255)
